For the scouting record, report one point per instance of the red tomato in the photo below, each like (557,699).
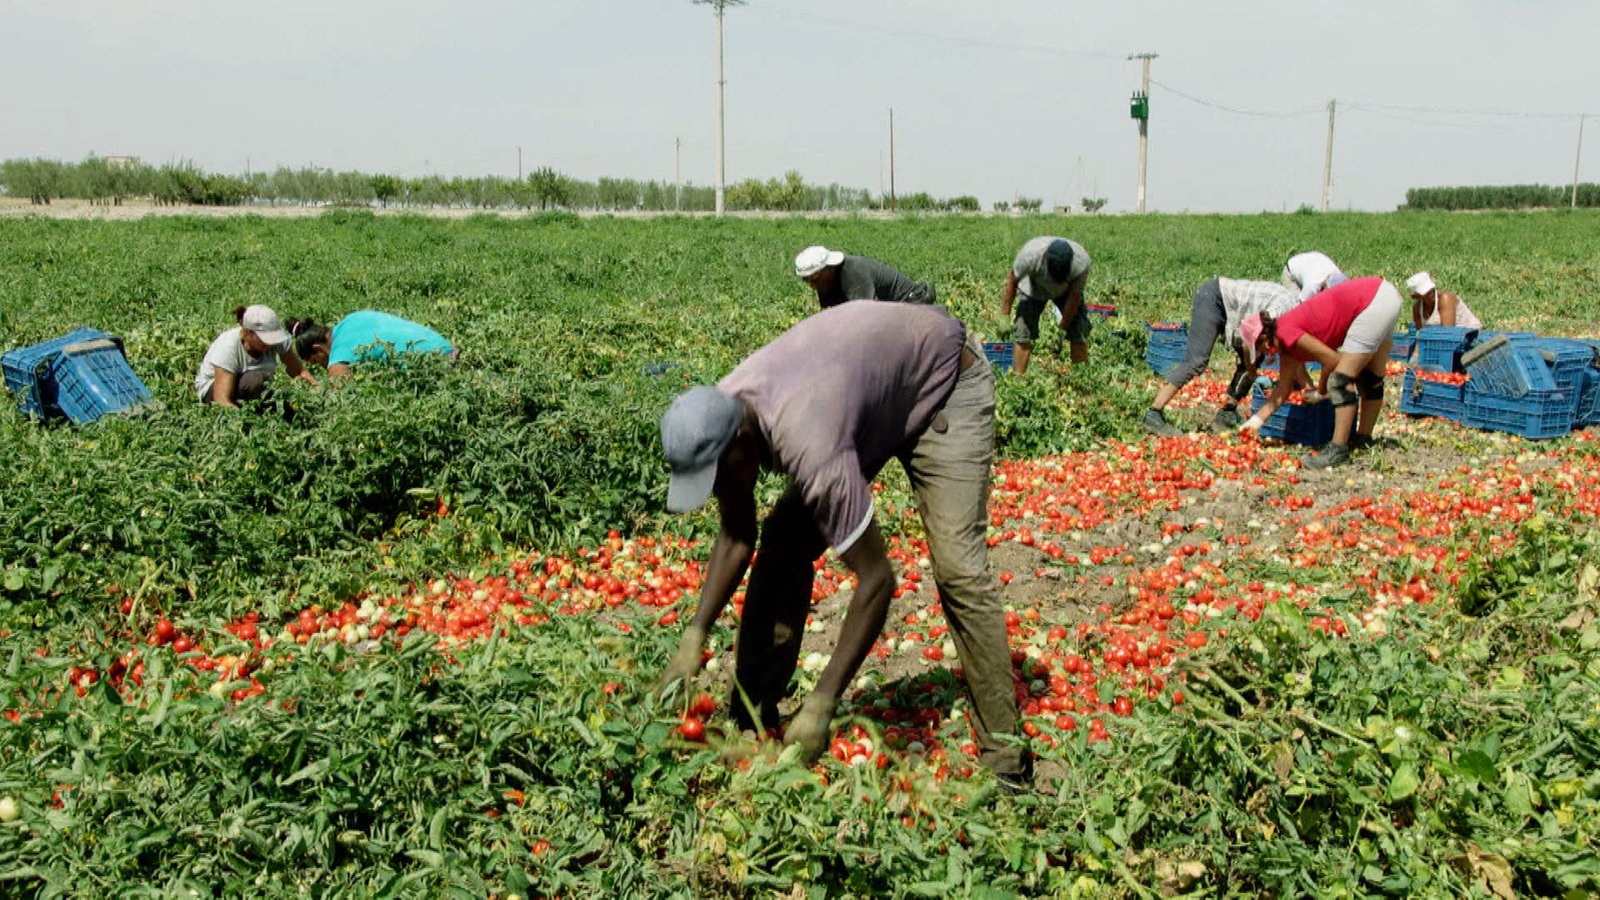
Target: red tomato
(703,706)
(693,729)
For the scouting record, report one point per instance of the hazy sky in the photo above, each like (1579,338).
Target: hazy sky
(996,99)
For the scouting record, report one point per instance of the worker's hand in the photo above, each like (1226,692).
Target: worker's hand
(811,728)
(685,663)
(1252,424)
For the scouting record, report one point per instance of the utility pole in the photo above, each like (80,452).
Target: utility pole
(1140,109)
(893,204)
(720,6)
(519,163)
(677,174)
(1327,160)
(1575,162)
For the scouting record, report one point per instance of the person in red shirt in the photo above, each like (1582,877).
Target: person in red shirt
(1348,329)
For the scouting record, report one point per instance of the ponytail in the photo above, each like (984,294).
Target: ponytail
(1269,328)
(238,314)
(307,335)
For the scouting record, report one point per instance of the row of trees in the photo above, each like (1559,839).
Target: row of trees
(1510,196)
(111,180)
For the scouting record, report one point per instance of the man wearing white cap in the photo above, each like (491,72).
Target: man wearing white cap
(827,404)
(241,361)
(1431,306)
(839,278)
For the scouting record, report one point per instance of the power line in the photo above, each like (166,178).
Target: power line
(1260,114)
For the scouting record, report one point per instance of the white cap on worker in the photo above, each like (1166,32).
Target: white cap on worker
(814,259)
(1419,284)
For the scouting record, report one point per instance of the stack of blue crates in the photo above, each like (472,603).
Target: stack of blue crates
(1437,349)
(1511,386)
(1168,343)
(80,377)
(1310,424)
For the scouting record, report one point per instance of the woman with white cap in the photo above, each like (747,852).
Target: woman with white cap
(1431,306)
(242,360)
(1357,317)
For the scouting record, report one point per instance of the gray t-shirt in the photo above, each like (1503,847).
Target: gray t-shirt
(227,352)
(864,278)
(1033,276)
(841,393)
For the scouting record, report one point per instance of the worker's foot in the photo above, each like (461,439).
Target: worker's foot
(1155,422)
(1329,456)
(1227,421)
(1361,442)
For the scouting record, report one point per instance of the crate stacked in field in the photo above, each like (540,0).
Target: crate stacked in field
(1439,347)
(1404,342)
(1310,424)
(80,376)
(1428,393)
(1588,400)
(999,354)
(1587,411)
(1166,347)
(1510,387)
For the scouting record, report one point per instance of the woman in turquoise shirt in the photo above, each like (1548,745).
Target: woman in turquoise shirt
(363,336)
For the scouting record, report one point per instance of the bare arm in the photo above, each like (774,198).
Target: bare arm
(1071,304)
(338,370)
(1008,293)
(1322,353)
(1447,308)
(297,369)
(223,386)
(869,607)
(1290,372)
(1416,313)
(730,558)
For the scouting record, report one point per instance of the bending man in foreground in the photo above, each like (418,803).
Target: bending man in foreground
(828,404)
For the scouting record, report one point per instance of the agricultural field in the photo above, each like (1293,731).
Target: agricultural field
(403,645)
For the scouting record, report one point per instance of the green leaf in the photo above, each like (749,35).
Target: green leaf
(1404,783)
(1477,765)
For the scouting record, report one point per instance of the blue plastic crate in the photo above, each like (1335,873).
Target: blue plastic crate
(1537,414)
(93,380)
(1421,397)
(27,370)
(999,354)
(1309,424)
(1506,369)
(1404,343)
(1588,412)
(1100,310)
(1439,347)
(1568,361)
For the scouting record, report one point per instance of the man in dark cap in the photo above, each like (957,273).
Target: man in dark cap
(828,404)
(1048,271)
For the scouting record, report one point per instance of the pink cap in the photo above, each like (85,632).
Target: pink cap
(1250,331)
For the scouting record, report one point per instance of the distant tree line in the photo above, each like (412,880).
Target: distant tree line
(111,180)
(1509,196)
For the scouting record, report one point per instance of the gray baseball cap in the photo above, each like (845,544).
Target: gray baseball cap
(695,430)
